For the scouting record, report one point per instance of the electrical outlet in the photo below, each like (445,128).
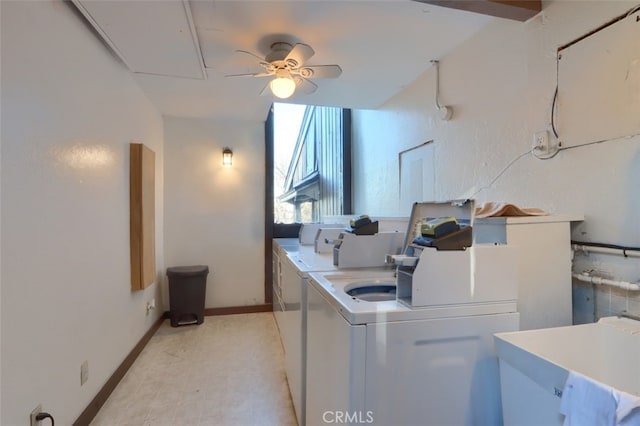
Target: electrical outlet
(541,142)
(151,305)
(84,372)
(34,413)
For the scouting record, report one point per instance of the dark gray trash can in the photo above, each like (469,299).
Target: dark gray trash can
(187,290)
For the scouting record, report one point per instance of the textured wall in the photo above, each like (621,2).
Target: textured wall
(214,215)
(500,84)
(69,112)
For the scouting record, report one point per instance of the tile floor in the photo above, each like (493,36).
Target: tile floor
(227,371)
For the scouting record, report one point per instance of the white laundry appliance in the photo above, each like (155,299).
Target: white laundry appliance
(293,271)
(425,358)
(309,231)
(281,248)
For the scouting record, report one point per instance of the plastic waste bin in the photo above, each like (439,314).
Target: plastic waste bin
(187,290)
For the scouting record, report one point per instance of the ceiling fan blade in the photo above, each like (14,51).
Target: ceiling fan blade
(320,71)
(253,74)
(305,86)
(243,63)
(261,60)
(299,55)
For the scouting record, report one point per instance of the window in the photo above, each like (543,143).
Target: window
(317,181)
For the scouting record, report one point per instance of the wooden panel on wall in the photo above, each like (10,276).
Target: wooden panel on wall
(142,216)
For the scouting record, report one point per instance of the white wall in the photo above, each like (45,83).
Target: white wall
(500,84)
(485,116)
(69,112)
(214,215)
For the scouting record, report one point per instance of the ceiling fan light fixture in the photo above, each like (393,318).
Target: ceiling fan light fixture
(285,66)
(282,86)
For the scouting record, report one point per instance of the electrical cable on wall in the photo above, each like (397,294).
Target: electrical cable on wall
(623,249)
(445,111)
(43,415)
(566,148)
(553,113)
(554,129)
(633,10)
(511,163)
(559,146)
(557,150)
(548,155)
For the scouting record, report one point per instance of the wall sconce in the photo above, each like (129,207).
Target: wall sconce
(227,157)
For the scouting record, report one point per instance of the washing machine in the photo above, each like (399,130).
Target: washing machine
(294,270)
(381,362)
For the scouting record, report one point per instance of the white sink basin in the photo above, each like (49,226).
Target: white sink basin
(535,364)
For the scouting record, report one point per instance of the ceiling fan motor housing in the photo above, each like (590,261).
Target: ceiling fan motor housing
(279,51)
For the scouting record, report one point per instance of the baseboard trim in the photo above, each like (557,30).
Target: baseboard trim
(94,406)
(232,310)
(98,401)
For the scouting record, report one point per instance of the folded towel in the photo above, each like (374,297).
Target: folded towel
(587,402)
(628,410)
(493,209)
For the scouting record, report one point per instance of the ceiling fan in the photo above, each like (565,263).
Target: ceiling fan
(286,63)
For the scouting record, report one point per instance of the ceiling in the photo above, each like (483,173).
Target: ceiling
(180,51)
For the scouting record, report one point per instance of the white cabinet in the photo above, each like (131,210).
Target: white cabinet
(544,264)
